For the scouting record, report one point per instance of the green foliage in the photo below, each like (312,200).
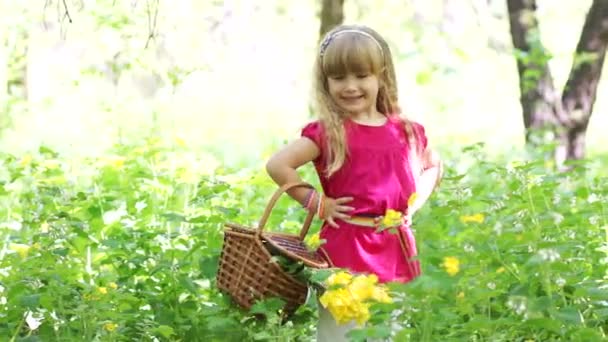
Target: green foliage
(126,247)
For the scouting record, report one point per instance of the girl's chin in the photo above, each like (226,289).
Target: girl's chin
(355,109)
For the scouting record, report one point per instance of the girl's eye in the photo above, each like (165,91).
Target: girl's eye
(337,77)
(362,75)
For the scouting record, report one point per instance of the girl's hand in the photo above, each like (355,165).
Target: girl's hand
(335,209)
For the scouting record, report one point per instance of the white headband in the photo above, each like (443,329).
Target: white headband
(329,38)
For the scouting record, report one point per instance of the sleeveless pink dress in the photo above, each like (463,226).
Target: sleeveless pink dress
(377,175)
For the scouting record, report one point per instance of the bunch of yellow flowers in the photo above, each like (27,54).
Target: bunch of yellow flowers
(349,297)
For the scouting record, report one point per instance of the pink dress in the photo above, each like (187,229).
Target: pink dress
(377,175)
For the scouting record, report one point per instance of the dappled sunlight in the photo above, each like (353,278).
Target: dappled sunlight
(234,79)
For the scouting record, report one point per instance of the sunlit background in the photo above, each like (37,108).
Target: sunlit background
(233,77)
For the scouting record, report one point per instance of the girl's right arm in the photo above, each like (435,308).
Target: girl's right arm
(282,166)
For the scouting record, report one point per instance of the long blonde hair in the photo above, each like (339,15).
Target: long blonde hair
(357,49)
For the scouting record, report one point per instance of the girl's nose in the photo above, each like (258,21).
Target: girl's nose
(350,84)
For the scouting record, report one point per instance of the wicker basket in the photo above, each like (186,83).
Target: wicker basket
(247,271)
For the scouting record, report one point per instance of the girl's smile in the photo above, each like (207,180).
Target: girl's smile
(355,93)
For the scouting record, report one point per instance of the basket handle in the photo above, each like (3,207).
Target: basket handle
(273,201)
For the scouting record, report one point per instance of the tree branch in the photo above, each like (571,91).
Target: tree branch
(67,12)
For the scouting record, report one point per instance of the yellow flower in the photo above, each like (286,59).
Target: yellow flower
(102,290)
(44,227)
(115,162)
(500,270)
(26,160)
(451,265)
(179,141)
(112,285)
(412,199)
(340,278)
(391,218)
(380,294)
(51,164)
(460,295)
(351,301)
(478,218)
(362,287)
(20,248)
(313,241)
(343,306)
(361,313)
(110,326)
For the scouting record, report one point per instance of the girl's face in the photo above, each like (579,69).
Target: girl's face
(354,92)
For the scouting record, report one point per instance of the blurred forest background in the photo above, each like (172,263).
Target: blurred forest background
(232,77)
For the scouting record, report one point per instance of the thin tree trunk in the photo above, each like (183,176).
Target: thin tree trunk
(537,92)
(581,88)
(332,15)
(567,116)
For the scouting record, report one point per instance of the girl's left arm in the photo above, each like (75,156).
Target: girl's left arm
(432,171)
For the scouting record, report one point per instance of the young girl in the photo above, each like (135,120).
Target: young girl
(370,160)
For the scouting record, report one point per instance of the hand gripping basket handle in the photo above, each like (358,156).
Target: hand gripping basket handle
(273,201)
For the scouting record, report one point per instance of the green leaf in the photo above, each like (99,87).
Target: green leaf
(208,266)
(30,301)
(165,330)
(568,315)
(545,324)
(174,217)
(188,284)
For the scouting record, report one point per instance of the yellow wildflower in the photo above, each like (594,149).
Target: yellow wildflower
(340,278)
(20,248)
(412,199)
(451,265)
(313,241)
(391,218)
(380,294)
(115,162)
(51,164)
(112,285)
(500,270)
(102,290)
(110,326)
(478,218)
(460,295)
(179,141)
(351,301)
(362,287)
(44,227)
(26,160)
(343,306)
(361,313)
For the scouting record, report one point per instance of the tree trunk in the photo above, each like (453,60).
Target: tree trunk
(332,15)
(566,116)
(581,88)
(537,93)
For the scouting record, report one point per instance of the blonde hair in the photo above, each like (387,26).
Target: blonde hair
(353,48)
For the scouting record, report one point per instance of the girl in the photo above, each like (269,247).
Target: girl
(370,160)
